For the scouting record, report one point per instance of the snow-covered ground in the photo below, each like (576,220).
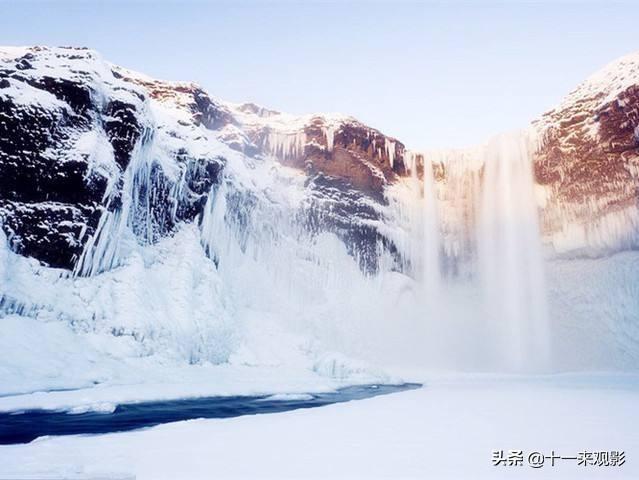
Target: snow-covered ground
(448,429)
(250,297)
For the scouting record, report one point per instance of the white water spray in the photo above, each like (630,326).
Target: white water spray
(480,262)
(431,273)
(510,259)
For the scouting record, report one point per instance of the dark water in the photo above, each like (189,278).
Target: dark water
(24,427)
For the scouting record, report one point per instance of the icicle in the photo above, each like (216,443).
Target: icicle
(214,239)
(103,251)
(329,134)
(286,146)
(390,151)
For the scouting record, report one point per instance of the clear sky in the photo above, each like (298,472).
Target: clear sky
(434,74)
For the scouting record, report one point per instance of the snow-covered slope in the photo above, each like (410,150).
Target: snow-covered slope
(71,131)
(158,225)
(588,163)
(153,224)
(75,123)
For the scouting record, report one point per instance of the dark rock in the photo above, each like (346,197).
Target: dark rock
(123,130)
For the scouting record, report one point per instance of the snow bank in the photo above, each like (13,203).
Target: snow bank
(446,430)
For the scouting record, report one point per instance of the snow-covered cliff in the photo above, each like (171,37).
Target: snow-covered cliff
(81,137)
(588,163)
(172,226)
(153,223)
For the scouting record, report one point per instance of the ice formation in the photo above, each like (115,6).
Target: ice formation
(329,133)
(286,145)
(461,280)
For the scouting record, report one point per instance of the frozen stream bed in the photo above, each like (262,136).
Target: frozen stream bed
(447,429)
(25,426)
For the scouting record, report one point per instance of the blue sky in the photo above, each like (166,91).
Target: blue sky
(434,74)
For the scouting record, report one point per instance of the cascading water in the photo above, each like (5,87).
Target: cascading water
(422,221)
(431,274)
(509,255)
(277,268)
(479,257)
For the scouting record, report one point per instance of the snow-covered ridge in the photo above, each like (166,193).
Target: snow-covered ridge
(605,85)
(588,163)
(188,230)
(341,147)
(176,234)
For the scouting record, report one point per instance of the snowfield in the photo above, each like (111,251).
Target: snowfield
(448,429)
(231,256)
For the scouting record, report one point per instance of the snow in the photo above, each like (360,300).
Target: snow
(99,152)
(611,80)
(12,53)
(448,429)
(248,299)
(101,407)
(158,326)
(601,88)
(173,381)
(594,303)
(28,96)
(283,121)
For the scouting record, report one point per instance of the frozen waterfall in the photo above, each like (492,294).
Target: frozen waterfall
(130,211)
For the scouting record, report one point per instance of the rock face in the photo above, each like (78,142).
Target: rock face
(50,195)
(588,162)
(71,126)
(80,138)
(74,125)
(585,157)
(332,145)
(348,166)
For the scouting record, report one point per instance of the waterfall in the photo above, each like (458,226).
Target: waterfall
(423,222)
(470,236)
(431,248)
(479,263)
(132,209)
(509,255)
